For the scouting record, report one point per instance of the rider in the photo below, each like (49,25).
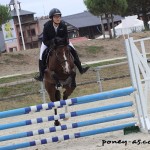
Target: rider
(53,30)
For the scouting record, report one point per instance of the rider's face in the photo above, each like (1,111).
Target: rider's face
(57,19)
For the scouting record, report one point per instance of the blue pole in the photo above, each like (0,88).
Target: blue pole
(66,127)
(62,116)
(77,100)
(67,137)
(105,95)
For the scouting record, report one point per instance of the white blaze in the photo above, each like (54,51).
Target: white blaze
(66,63)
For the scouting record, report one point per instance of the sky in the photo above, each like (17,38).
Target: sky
(42,7)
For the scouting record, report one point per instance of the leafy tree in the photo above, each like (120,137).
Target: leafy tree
(107,8)
(140,8)
(4,14)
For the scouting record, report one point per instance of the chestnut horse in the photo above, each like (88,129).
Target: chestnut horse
(60,72)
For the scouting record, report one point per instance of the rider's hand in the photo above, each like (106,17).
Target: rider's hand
(53,41)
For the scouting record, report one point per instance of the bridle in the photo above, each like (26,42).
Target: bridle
(60,61)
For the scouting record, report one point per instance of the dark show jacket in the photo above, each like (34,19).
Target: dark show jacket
(49,32)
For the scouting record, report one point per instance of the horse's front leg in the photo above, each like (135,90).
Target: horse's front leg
(57,98)
(58,84)
(56,123)
(52,96)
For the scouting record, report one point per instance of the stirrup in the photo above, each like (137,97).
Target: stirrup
(84,70)
(38,77)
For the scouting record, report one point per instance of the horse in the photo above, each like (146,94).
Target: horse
(60,72)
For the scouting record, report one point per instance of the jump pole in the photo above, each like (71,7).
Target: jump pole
(73,101)
(66,127)
(66,115)
(67,137)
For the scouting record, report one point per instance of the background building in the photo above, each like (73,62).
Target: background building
(29,29)
(2,42)
(89,25)
(79,25)
(29,26)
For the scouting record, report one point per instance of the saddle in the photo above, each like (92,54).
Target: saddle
(46,55)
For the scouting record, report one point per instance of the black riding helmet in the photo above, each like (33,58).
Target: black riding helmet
(53,12)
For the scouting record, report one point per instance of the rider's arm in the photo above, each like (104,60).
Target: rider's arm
(46,40)
(66,34)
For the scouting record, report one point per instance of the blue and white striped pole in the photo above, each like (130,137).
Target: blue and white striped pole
(66,115)
(66,127)
(73,101)
(67,137)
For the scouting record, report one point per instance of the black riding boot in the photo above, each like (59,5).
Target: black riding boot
(77,61)
(41,71)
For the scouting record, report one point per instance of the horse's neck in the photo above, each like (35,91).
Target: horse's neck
(51,60)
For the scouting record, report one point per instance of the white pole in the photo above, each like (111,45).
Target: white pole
(99,80)
(42,91)
(17,12)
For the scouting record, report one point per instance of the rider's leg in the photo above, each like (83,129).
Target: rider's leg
(41,65)
(73,83)
(77,60)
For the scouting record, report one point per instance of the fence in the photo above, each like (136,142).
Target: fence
(96,76)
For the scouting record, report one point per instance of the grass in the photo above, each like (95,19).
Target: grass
(107,62)
(16,78)
(94,49)
(20,88)
(15,56)
(79,91)
(28,76)
(115,49)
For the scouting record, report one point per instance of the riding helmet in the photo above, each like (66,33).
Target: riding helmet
(53,12)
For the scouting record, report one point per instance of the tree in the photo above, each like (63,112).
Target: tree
(4,14)
(107,8)
(140,8)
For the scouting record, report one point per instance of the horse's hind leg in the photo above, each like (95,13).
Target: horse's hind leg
(67,92)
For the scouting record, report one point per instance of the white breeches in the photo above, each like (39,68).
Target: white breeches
(43,47)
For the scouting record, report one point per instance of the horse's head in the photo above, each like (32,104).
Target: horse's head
(64,59)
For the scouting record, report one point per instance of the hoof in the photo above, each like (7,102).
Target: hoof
(84,70)
(57,123)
